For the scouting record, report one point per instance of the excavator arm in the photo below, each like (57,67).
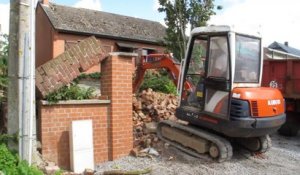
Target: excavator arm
(158,61)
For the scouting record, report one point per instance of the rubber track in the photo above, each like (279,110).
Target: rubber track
(223,145)
(265,142)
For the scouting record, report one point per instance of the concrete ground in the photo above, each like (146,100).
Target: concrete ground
(282,158)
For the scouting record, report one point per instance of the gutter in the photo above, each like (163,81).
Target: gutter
(284,53)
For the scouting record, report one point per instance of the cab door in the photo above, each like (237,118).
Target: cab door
(217,78)
(193,88)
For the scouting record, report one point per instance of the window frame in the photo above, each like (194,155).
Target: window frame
(259,58)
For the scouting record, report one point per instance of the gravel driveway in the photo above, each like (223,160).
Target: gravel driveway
(283,158)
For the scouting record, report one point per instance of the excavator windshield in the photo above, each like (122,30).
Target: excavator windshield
(247,53)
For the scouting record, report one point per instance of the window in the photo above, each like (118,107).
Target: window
(147,51)
(196,64)
(195,73)
(218,57)
(247,54)
(126,47)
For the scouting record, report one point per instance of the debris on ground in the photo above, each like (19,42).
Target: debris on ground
(131,172)
(88,172)
(282,158)
(51,168)
(149,108)
(150,151)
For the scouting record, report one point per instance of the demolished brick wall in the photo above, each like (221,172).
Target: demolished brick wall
(66,67)
(112,117)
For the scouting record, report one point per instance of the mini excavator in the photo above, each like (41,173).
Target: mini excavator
(221,97)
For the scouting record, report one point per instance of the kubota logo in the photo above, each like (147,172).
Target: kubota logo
(273,102)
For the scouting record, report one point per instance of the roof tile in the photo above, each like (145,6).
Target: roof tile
(70,19)
(284,48)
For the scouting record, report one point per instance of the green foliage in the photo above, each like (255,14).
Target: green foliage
(59,172)
(24,168)
(4,46)
(158,82)
(180,13)
(196,62)
(200,12)
(95,76)
(5,138)
(10,164)
(8,161)
(71,92)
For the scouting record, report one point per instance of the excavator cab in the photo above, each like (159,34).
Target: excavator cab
(224,100)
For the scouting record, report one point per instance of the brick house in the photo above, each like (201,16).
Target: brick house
(280,51)
(59,27)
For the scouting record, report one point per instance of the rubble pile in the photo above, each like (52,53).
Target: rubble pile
(149,108)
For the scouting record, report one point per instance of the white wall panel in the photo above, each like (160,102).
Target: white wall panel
(81,145)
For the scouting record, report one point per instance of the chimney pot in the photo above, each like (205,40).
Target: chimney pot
(45,2)
(286,43)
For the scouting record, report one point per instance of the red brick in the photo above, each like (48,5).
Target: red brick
(56,119)
(61,66)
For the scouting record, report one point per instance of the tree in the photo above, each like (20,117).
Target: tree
(180,13)
(4,46)
(3,66)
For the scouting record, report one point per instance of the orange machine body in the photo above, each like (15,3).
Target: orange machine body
(264,101)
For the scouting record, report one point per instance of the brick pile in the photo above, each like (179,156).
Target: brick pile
(149,108)
(66,67)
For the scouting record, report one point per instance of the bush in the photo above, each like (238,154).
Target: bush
(10,164)
(93,76)
(8,161)
(24,169)
(71,92)
(5,138)
(158,82)
(4,46)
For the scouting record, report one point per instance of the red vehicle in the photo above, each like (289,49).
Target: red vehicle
(282,71)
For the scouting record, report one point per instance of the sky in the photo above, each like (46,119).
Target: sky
(275,20)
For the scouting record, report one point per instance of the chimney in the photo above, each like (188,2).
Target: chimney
(45,2)
(286,43)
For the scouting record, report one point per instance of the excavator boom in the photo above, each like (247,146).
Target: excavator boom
(158,61)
